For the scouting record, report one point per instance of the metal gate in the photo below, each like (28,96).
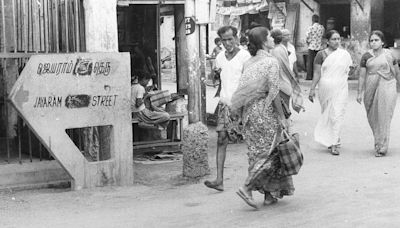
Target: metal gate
(29,27)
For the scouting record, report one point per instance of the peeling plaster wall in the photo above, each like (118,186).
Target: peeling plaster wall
(304,22)
(101,25)
(360,26)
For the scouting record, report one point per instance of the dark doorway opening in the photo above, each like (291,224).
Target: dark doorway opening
(337,17)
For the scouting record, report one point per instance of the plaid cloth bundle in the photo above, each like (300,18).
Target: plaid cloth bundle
(159,97)
(290,154)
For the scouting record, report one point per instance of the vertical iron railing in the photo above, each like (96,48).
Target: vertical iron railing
(31,27)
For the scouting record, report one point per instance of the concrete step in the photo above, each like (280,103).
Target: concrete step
(32,175)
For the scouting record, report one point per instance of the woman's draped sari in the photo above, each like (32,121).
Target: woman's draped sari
(258,87)
(380,97)
(332,94)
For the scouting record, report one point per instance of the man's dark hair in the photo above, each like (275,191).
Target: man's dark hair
(141,74)
(243,39)
(216,40)
(226,28)
(254,25)
(315,18)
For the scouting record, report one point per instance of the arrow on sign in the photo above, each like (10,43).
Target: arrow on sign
(62,91)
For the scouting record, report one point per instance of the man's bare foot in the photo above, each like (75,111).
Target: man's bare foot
(214,185)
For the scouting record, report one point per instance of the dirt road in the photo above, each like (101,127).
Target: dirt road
(354,189)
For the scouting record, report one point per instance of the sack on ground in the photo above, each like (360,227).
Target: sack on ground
(290,154)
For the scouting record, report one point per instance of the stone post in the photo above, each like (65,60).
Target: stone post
(195,136)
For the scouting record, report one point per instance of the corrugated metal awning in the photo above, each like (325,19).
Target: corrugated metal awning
(150,2)
(240,7)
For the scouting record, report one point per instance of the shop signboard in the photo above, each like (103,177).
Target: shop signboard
(190,26)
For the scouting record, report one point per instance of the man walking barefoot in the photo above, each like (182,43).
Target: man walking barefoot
(230,63)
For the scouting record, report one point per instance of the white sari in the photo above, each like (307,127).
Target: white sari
(333,93)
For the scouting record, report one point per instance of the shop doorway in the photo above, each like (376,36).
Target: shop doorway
(147,31)
(391,23)
(337,17)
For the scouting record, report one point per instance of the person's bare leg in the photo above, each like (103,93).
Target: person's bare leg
(269,199)
(222,144)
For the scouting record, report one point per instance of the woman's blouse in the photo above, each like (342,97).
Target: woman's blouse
(367,56)
(320,57)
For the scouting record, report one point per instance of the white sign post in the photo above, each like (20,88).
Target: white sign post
(56,92)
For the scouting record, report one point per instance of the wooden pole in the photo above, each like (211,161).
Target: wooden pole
(192,50)
(203,76)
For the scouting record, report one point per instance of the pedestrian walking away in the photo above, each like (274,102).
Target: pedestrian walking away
(331,70)
(286,37)
(314,41)
(377,82)
(230,62)
(258,103)
(289,86)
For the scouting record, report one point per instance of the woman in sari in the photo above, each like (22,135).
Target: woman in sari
(289,87)
(378,75)
(258,103)
(331,68)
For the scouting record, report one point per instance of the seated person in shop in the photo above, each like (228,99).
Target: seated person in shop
(146,115)
(139,61)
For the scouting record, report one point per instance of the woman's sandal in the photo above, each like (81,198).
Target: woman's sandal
(379,154)
(248,199)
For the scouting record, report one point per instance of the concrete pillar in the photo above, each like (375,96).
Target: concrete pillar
(360,27)
(360,22)
(203,77)
(192,50)
(101,25)
(304,22)
(101,31)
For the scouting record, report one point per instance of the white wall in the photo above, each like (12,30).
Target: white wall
(167,33)
(101,25)
(304,22)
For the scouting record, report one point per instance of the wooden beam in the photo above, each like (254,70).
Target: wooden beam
(3,21)
(14,26)
(15,55)
(308,6)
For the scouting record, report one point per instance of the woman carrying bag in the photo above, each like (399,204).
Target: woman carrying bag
(258,103)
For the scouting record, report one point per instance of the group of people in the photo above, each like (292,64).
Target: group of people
(379,73)
(259,85)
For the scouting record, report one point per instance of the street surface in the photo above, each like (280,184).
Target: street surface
(354,189)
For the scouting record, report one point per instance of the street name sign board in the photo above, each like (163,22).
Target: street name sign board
(56,92)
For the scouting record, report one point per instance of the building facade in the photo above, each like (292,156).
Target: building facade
(67,26)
